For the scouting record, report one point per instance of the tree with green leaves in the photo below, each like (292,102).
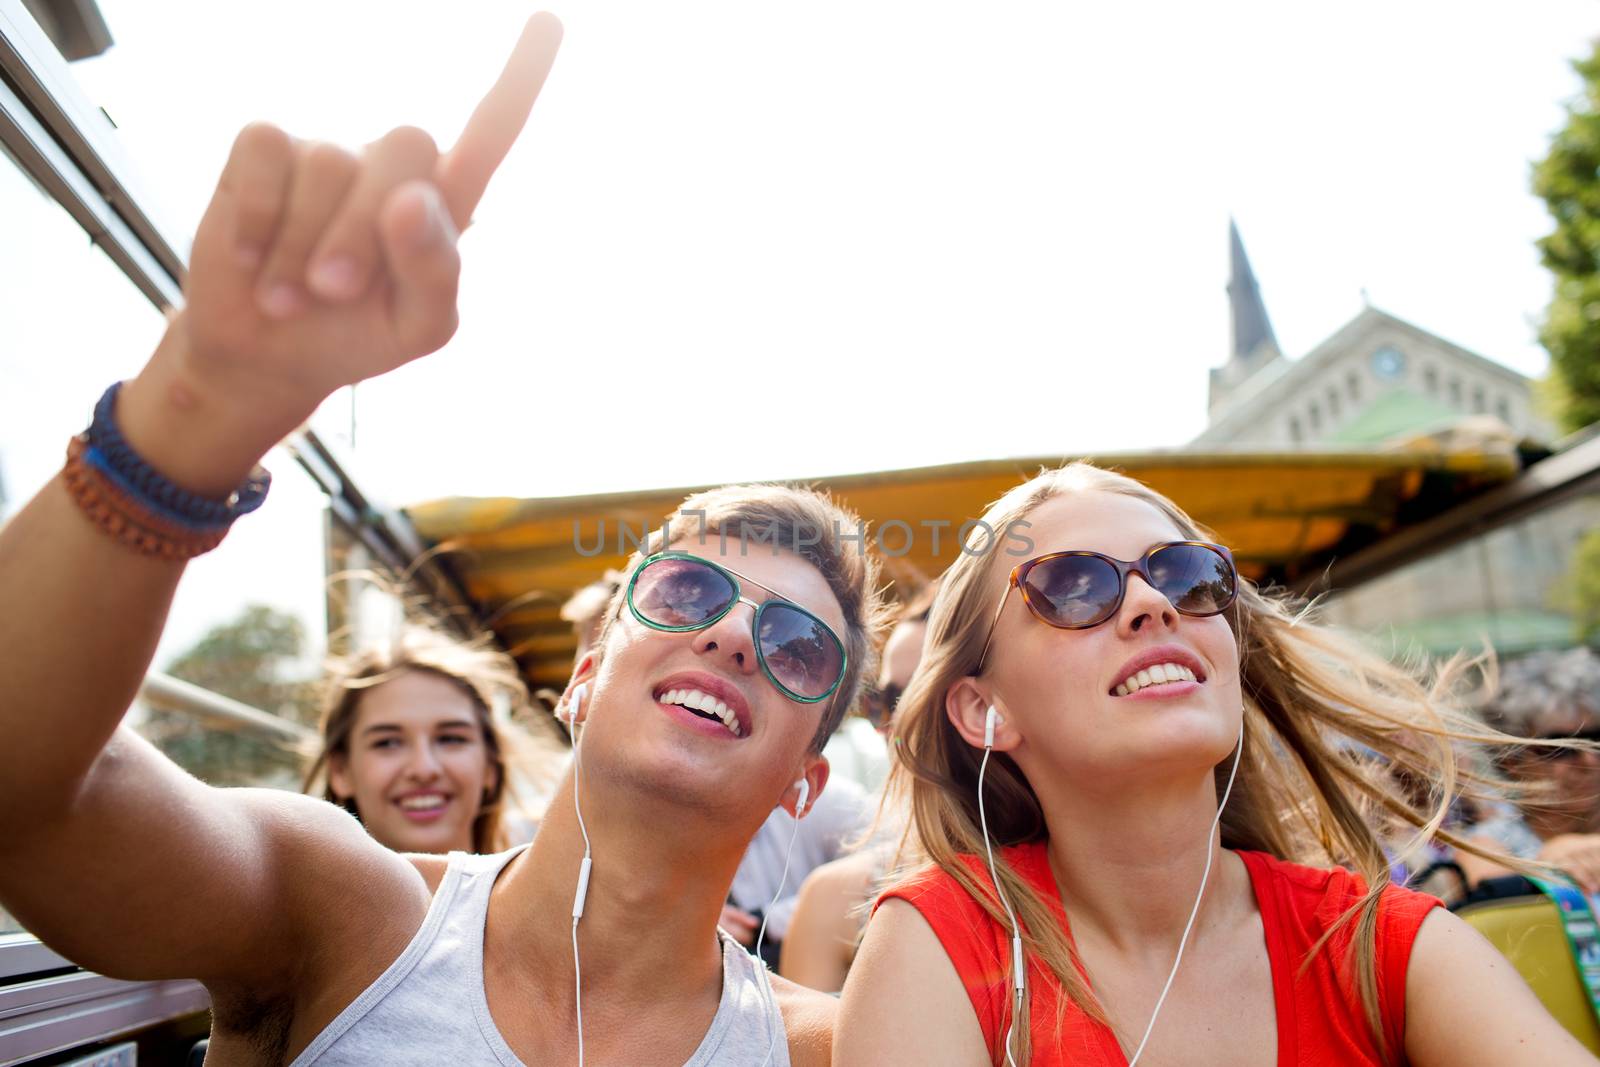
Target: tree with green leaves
(256,659)
(1585,585)
(1568,180)
(250,658)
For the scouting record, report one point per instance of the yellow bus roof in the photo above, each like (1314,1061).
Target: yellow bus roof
(1285,516)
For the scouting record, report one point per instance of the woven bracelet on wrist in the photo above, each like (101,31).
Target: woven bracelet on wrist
(136,505)
(113,453)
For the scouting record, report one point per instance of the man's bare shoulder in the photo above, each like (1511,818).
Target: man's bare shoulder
(808,1020)
(326,849)
(361,904)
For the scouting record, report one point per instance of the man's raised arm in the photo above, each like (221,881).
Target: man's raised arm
(313,268)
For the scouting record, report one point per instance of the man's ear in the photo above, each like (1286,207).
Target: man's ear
(815,775)
(572,710)
(966,705)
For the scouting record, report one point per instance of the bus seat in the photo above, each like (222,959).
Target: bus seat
(1527,930)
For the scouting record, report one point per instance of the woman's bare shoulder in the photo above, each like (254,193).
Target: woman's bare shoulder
(431,867)
(1466,1006)
(855,872)
(838,889)
(904,1001)
(808,1018)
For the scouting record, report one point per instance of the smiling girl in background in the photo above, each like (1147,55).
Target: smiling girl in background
(420,743)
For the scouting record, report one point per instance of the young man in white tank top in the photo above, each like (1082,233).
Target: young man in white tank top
(313,269)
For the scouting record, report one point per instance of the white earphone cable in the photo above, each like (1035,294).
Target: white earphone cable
(783,880)
(1018,974)
(577,991)
(1198,897)
(1016,932)
(584,869)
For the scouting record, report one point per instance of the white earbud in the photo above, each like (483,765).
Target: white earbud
(989,719)
(783,880)
(575,702)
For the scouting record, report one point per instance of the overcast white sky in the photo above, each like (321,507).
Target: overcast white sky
(747,240)
(846,235)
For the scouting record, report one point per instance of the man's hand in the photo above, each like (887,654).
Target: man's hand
(1576,854)
(314,268)
(741,924)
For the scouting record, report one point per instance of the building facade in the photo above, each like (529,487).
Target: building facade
(1376,378)
(1380,379)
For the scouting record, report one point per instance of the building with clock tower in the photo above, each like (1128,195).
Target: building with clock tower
(1376,378)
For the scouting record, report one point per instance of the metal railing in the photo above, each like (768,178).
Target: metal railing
(178,695)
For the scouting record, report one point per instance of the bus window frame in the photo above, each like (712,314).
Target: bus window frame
(69,148)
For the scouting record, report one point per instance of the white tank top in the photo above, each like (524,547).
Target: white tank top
(429,1007)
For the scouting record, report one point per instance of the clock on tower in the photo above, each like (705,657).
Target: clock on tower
(1388,363)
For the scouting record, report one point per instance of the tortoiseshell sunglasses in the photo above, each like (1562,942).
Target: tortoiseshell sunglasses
(1078,589)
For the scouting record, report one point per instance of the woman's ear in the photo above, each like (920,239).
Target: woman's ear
(339,777)
(968,708)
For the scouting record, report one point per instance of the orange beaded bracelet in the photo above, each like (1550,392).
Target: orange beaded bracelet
(128,522)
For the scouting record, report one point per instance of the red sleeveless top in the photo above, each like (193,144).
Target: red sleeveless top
(1320,1018)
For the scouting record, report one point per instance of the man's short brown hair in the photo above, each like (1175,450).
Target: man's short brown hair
(814,527)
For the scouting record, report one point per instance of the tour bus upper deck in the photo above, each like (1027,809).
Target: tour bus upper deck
(1352,521)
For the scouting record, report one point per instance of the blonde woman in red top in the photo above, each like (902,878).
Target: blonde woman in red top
(1165,763)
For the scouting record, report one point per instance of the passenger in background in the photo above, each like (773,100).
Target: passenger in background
(1550,696)
(860,750)
(421,743)
(586,610)
(1427,864)
(859,753)
(771,863)
(901,654)
(830,910)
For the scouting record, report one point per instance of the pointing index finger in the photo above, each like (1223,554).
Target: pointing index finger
(465,170)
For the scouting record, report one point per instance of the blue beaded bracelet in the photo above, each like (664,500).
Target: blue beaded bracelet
(112,455)
(96,460)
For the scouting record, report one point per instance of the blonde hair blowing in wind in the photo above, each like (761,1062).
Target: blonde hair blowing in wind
(1313,699)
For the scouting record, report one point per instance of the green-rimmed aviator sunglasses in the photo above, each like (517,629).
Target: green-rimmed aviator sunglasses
(800,654)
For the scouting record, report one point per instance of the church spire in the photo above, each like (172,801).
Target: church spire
(1254,345)
(1253,341)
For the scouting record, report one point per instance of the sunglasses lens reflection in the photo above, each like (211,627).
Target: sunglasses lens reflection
(1195,579)
(681,592)
(800,651)
(1073,591)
